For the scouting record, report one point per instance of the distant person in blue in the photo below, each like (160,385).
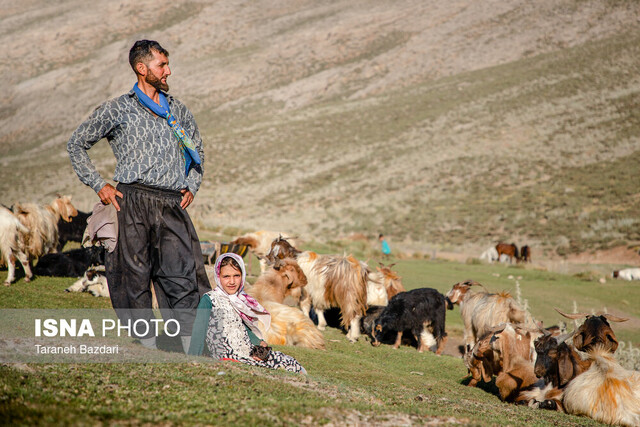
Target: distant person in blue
(386,250)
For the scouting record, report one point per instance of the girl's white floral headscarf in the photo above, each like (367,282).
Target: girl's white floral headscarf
(245,305)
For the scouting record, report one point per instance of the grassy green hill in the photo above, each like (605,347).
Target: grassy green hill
(347,383)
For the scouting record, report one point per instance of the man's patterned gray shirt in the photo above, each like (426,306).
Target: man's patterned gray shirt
(146,149)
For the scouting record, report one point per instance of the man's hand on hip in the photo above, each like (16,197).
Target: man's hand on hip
(187,198)
(108,195)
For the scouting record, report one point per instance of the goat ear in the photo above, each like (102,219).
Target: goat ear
(578,341)
(565,369)
(288,274)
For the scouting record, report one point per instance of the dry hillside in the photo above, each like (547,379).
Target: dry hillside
(443,124)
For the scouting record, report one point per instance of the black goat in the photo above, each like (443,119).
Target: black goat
(71,263)
(72,231)
(420,311)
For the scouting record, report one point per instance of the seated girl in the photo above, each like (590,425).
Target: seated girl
(226,321)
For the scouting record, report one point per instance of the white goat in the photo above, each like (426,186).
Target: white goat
(606,392)
(12,247)
(627,274)
(490,255)
(42,223)
(481,311)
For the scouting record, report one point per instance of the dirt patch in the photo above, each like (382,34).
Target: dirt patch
(619,255)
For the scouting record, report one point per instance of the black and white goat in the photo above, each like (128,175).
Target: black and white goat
(93,281)
(71,263)
(420,311)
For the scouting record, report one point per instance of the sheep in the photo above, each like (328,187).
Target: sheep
(12,245)
(289,326)
(42,223)
(259,244)
(333,281)
(627,274)
(606,392)
(482,310)
(421,311)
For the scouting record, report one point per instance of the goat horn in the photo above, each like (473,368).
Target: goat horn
(615,318)
(572,316)
(565,337)
(469,282)
(499,328)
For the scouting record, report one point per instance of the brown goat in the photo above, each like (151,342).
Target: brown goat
(279,281)
(259,244)
(594,331)
(504,352)
(289,326)
(392,282)
(558,362)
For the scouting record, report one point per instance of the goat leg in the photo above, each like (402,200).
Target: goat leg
(396,345)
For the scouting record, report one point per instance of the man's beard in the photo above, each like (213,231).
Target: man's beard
(156,82)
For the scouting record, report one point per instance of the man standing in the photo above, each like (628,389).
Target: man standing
(159,157)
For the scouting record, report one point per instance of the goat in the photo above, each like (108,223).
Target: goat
(627,274)
(278,281)
(606,392)
(421,311)
(71,263)
(259,244)
(481,311)
(557,362)
(12,245)
(72,231)
(595,330)
(389,278)
(93,281)
(289,326)
(490,255)
(333,281)
(517,374)
(42,223)
(560,361)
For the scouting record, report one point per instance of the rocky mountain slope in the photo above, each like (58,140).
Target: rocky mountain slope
(443,124)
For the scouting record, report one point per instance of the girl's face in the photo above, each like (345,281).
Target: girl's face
(230,279)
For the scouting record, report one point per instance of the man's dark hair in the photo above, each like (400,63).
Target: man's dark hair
(141,52)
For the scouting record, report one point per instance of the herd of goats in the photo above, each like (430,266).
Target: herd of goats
(543,368)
